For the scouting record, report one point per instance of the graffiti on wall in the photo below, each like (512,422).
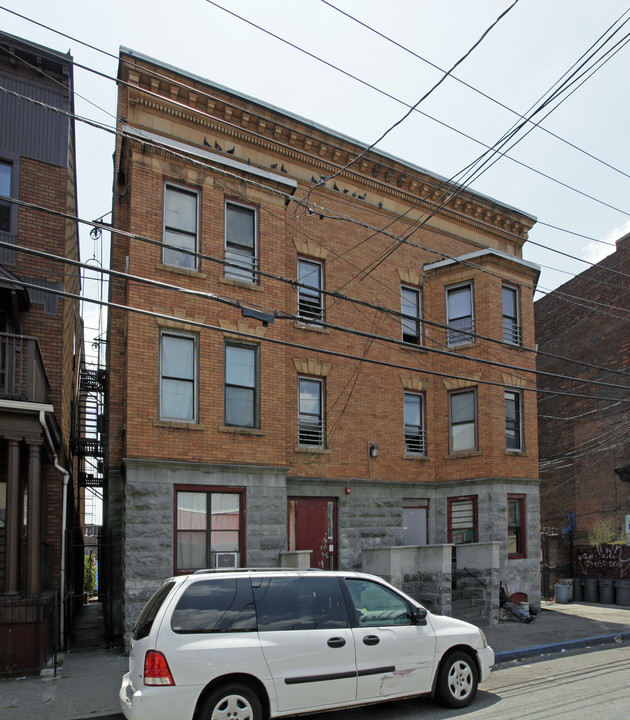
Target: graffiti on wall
(608,561)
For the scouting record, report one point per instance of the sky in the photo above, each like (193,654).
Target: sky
(571,173)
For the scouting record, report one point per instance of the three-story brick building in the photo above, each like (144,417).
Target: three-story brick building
(311,348)
(41,338)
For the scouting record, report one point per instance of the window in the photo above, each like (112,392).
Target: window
(299,603)
(516,515)
(411,309)
(513,428)
(178,377)
(459,315)
(241,386)
(463,421)
(180,227)
(414,424)
(310,299)
(208,530)
(6,171)
(511,326)
(310,412)
(144,623)
(462,520)
(240,243)
(376,605)
(214,606)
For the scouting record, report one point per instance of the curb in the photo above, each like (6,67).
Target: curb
(583,643)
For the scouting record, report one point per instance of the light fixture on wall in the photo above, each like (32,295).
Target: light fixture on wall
(372,453)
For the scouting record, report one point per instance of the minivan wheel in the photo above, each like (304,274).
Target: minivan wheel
(231,702)
(457,680)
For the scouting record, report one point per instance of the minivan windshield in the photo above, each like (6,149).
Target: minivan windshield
(145,620)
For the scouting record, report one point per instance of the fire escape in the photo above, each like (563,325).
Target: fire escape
(88,544)
(88,441)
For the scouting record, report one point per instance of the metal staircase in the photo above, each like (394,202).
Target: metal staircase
(88,438)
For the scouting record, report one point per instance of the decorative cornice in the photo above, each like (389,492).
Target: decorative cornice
(326,153)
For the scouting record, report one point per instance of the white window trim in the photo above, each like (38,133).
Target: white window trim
(519,396)
(195,339)
(305,318)
(515,323)
(322,413)
(229,271)
(256,389)
(173,248)
(452,332)
(422,439)
(417,318)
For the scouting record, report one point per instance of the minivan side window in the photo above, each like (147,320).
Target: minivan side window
(299,603)
(377,605)
(145,620)
(215,606)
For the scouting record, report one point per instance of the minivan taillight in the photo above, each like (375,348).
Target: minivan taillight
(156,670)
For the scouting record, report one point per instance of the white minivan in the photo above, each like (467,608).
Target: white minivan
(256,644)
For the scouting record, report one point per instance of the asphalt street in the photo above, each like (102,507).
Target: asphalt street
(576,685)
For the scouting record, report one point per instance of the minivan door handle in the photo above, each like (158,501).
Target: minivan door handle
(371,640)
(336,642)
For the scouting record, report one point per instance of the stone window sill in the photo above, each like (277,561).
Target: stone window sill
(178,425)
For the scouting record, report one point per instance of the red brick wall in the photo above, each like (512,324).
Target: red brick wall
(582,440)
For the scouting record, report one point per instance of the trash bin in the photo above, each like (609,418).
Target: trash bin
(578,589)
(590,590)
(561,594)
(607,591)
(623,592)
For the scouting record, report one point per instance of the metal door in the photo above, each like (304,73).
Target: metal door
(313,526)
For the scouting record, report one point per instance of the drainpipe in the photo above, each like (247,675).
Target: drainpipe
(66,478)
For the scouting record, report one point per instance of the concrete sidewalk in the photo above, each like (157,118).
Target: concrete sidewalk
(87,681)
(560,627)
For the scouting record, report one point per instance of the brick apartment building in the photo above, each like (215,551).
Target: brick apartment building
(40,346)
(584,438)
(284,377)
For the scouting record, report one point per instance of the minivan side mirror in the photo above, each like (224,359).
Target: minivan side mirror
(419,616)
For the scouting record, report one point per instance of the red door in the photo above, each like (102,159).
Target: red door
(313,526)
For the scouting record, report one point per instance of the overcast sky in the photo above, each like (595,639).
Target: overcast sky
(521,58)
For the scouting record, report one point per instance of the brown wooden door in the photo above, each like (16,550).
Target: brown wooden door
(313,526)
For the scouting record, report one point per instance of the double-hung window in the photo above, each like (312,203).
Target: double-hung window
(411,314)
(178,377)
(511,324)
(310,412)
(513,424)
(463,421)
(240,243)
(180,227)
(6,172)
(415,441)
(241,385)
(310,298)
(516,535)
(462,519)
(208,529)
(460,317)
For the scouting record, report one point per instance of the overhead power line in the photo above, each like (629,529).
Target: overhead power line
(475,89)
(156,74)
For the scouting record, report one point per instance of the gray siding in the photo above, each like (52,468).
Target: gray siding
(30,130)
